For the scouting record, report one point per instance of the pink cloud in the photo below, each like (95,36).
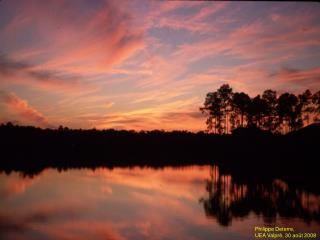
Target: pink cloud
(187,25)
(209,10)
(21,109)
(166,115)
(87,45)
(258,40)
(22,73)
(192,120)
(288,74)
(193,23)
(308,78)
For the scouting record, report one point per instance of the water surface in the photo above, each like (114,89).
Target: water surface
(145,203)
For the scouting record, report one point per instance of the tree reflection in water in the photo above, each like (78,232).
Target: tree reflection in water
(227,200)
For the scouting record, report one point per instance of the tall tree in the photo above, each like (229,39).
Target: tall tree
(212,106)
(305,102)
(225,94)
(240,105)
(257,110)
(316,108)
(289,112)
(270,119)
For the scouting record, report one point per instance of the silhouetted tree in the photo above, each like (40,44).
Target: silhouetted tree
(286,113)
(289,112)
(225,94)
(257,110)
(240,105)
(316,108)
(212,106)
(270,119)
(305,101)
(218,105)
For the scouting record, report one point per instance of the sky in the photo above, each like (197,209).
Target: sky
(147,65)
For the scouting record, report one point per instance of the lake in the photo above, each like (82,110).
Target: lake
(196,202)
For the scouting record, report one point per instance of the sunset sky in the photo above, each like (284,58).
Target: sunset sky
(147,64)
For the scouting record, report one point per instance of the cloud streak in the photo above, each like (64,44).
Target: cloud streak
(20,72)
(21,109)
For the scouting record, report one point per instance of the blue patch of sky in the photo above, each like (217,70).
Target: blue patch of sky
(174,37)
(26,38)
(138,9)
(310,59)
(296,8)
(219,60)
(242,14)
(306,59)
(89,5)
(185,11)
(5,17)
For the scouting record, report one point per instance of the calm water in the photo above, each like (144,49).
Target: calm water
(170,203)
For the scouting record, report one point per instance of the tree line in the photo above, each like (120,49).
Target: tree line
(228,110)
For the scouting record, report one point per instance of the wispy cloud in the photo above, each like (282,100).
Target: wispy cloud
(22,110)
(20,72)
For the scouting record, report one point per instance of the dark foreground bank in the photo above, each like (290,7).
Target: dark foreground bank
(251,154)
